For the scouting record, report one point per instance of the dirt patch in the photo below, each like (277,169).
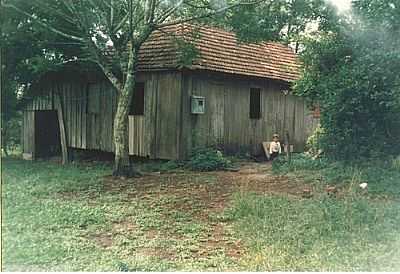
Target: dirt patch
(202,195)
(217,240)
(103,240)
(123,227)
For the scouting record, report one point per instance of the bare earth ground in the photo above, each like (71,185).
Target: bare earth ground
(204,196)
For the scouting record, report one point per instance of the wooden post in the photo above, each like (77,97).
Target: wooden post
(63,137)
(287,146)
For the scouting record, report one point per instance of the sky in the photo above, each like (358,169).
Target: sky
(342,5)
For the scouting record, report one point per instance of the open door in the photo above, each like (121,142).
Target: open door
(47,134)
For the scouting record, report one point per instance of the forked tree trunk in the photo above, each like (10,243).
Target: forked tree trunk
(122,166)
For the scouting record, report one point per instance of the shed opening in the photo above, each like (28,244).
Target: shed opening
(47,134)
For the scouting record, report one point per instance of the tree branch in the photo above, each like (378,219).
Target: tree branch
(43,24)
(212,13)
(168,12)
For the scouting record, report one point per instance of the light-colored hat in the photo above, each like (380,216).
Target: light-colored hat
(275,135)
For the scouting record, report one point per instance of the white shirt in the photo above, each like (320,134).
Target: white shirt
(275,147)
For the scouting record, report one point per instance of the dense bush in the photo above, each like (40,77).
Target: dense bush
(313,144)
(353,76)
(208,159)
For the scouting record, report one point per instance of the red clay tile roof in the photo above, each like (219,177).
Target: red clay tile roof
(220,51)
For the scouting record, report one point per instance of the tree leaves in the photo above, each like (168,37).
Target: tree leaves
(353,75)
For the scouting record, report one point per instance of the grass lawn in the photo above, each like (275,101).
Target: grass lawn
(78,218)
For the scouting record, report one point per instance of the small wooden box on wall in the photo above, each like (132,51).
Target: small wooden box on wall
(198,104)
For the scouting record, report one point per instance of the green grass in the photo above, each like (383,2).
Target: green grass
(382,176)
(64,219)
(325,234)
(68,218)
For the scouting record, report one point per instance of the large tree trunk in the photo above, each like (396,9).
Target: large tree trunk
(123,167)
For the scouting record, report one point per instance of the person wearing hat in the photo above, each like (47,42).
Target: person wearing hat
(274,147)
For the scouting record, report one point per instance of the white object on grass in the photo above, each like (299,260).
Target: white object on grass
(363,185)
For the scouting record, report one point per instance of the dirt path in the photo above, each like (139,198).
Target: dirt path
(204,195)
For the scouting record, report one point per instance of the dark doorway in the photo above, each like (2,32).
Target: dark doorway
(47,134)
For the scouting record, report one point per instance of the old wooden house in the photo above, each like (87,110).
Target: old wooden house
(232,94)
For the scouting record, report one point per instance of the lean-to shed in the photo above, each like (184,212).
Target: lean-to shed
(230,93)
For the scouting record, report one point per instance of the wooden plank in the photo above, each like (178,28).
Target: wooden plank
(78,103)
(186,128)
(73,116)
(108,114)
(265,146)
(97,130)
(68,116)
(84,117)
(100,117)
(29,135)
(130,141)
(113,109)
(32,137)
(63,139)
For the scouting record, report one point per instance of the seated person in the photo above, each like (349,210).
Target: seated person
(274,147)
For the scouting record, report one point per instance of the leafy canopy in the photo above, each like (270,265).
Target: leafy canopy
(353,75)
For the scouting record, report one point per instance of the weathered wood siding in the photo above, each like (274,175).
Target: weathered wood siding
(89,108)
(168,130)
(28,135)
(84,129)
(156,133)
(227,122)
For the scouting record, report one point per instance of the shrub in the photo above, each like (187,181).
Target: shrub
(298,162)
(396,163)
(314,141)
(355,81)
(208,159)
(170,165)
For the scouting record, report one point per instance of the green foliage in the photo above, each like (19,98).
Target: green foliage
(208,159)
(396,163)
(27,52)
(382,176)
(385,12)
(352,74)
(170,165)
(314,141)
(298,162)
(280,20)
(324,234)
(188,52)
(11,130)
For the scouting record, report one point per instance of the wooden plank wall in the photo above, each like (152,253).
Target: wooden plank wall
(84,129)
(167,130)
(156,134)
(89,110)
(167,115)
(137,141)
(28,135)
(227,121)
